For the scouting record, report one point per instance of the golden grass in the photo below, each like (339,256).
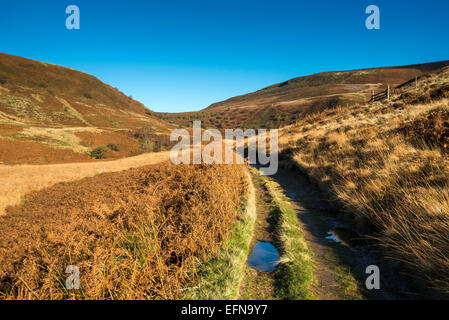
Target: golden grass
(385,163)
(20,180)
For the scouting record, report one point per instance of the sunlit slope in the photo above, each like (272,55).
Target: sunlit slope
(39,93)
(53,114)
(284,103)
(386,164)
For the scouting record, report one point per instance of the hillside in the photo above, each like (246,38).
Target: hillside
(51,114)
(385,165)
(38,93)
(284,103)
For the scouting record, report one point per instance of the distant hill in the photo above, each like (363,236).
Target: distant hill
(284,103)
(39,93)
(53,114)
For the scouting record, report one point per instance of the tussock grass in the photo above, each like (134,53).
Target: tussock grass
(387,164)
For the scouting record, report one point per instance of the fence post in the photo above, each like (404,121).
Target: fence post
(372,97)
(388,92)
(416,83)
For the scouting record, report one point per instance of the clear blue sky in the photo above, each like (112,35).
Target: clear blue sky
(184,55)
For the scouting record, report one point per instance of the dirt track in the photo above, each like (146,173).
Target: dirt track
(16,181)
(339,269)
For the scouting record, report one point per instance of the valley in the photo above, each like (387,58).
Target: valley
(87,182)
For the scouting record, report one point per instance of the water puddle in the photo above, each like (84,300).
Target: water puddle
(264,257)
(346,237)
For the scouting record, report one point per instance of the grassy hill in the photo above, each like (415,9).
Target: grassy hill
(285,103)
(50,113)
(34,92)
(386,164)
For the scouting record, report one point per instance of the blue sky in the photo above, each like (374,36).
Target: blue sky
(178,56)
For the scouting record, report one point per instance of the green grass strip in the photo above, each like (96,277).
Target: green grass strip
(220,277)
(295,271)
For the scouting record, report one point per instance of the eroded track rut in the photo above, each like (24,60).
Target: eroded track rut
(339,269)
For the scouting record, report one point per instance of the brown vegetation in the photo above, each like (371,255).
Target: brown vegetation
(21,152)
(135,234)
(17,181)
(394,186)
(431,128)
(39,93)
(150,141)
(40,145)
(126,144)
(8,129)
(284,103)
(53,114)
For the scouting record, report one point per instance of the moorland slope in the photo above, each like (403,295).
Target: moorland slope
(285,103)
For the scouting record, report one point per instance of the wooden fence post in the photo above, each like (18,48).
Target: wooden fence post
(388,92)
(416,83)
(372,97)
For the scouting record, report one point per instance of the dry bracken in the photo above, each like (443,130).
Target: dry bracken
(135,234)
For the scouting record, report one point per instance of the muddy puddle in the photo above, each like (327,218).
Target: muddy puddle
(264,257)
